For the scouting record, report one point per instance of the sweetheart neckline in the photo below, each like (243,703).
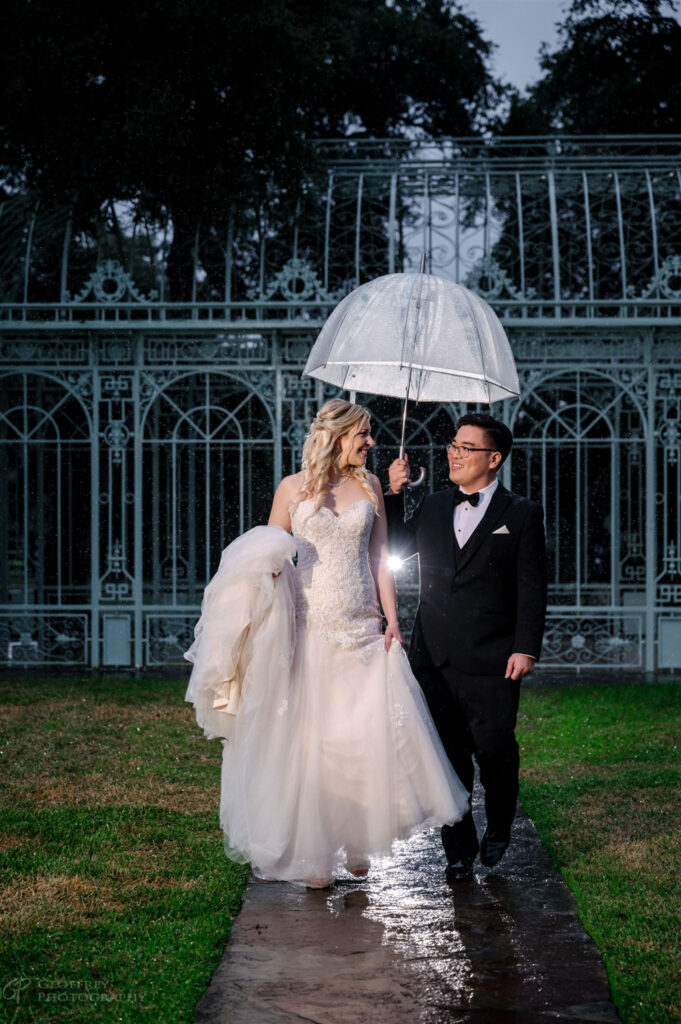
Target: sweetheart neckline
(338,515)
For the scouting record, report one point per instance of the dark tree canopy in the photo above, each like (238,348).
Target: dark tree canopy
(201,104)
(615,71)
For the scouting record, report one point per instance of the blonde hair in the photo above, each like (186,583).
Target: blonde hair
(322,451)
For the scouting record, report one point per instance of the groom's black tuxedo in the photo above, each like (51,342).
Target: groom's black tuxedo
(483,602)
(478,605)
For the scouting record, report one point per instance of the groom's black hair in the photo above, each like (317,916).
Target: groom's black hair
(499,436)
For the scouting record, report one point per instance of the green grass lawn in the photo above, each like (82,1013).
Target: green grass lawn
(116,897)
(601,778)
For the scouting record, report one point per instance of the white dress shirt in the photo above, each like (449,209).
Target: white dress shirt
(467,516)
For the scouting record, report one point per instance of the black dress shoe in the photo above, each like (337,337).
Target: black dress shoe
(459,870)
(492,849)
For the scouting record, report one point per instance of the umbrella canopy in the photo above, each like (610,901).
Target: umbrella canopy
(419,337)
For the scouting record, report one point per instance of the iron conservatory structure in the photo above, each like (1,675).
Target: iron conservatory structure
(144,424)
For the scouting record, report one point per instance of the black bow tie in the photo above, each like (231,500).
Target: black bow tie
(472,499)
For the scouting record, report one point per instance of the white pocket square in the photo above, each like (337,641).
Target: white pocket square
(502,529)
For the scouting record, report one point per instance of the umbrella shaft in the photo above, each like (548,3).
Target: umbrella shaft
(404,418)
(422,270)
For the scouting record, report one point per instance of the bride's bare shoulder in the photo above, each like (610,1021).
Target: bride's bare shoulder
(284,497)
(290,485)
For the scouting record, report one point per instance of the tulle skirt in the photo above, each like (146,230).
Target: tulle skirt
(331,759)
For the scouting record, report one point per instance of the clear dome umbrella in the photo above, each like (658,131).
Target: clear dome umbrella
(416,337)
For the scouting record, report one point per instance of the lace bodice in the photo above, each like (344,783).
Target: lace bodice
(335,589)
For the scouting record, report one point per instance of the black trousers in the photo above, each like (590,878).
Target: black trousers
(475,717)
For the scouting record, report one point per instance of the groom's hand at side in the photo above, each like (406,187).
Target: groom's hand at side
(519,665)
(399,474)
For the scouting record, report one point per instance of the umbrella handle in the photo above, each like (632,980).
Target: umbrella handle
(419,479)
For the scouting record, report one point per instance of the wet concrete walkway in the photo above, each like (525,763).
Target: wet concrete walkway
(404,946)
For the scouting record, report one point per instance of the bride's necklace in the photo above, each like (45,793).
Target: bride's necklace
(338,483)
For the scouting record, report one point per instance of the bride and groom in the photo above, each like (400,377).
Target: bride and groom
(332,748)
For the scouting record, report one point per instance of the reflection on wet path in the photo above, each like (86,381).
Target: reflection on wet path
(404,946)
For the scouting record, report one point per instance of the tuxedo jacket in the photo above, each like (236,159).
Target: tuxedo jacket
(485,601)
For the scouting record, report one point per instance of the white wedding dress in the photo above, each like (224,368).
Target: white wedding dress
(332,754)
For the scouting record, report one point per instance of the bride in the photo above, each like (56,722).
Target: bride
(330,754)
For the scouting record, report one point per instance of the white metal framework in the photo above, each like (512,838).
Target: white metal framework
(139,435)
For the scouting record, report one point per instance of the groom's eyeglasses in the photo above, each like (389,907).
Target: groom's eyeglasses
(463,451)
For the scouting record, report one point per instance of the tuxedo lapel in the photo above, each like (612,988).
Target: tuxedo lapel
(500,501)
(446,525)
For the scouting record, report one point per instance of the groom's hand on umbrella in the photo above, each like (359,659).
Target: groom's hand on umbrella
(399,474)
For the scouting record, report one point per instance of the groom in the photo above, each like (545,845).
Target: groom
(479,624)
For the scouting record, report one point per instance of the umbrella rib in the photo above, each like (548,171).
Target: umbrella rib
(421,366)
(481,351)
